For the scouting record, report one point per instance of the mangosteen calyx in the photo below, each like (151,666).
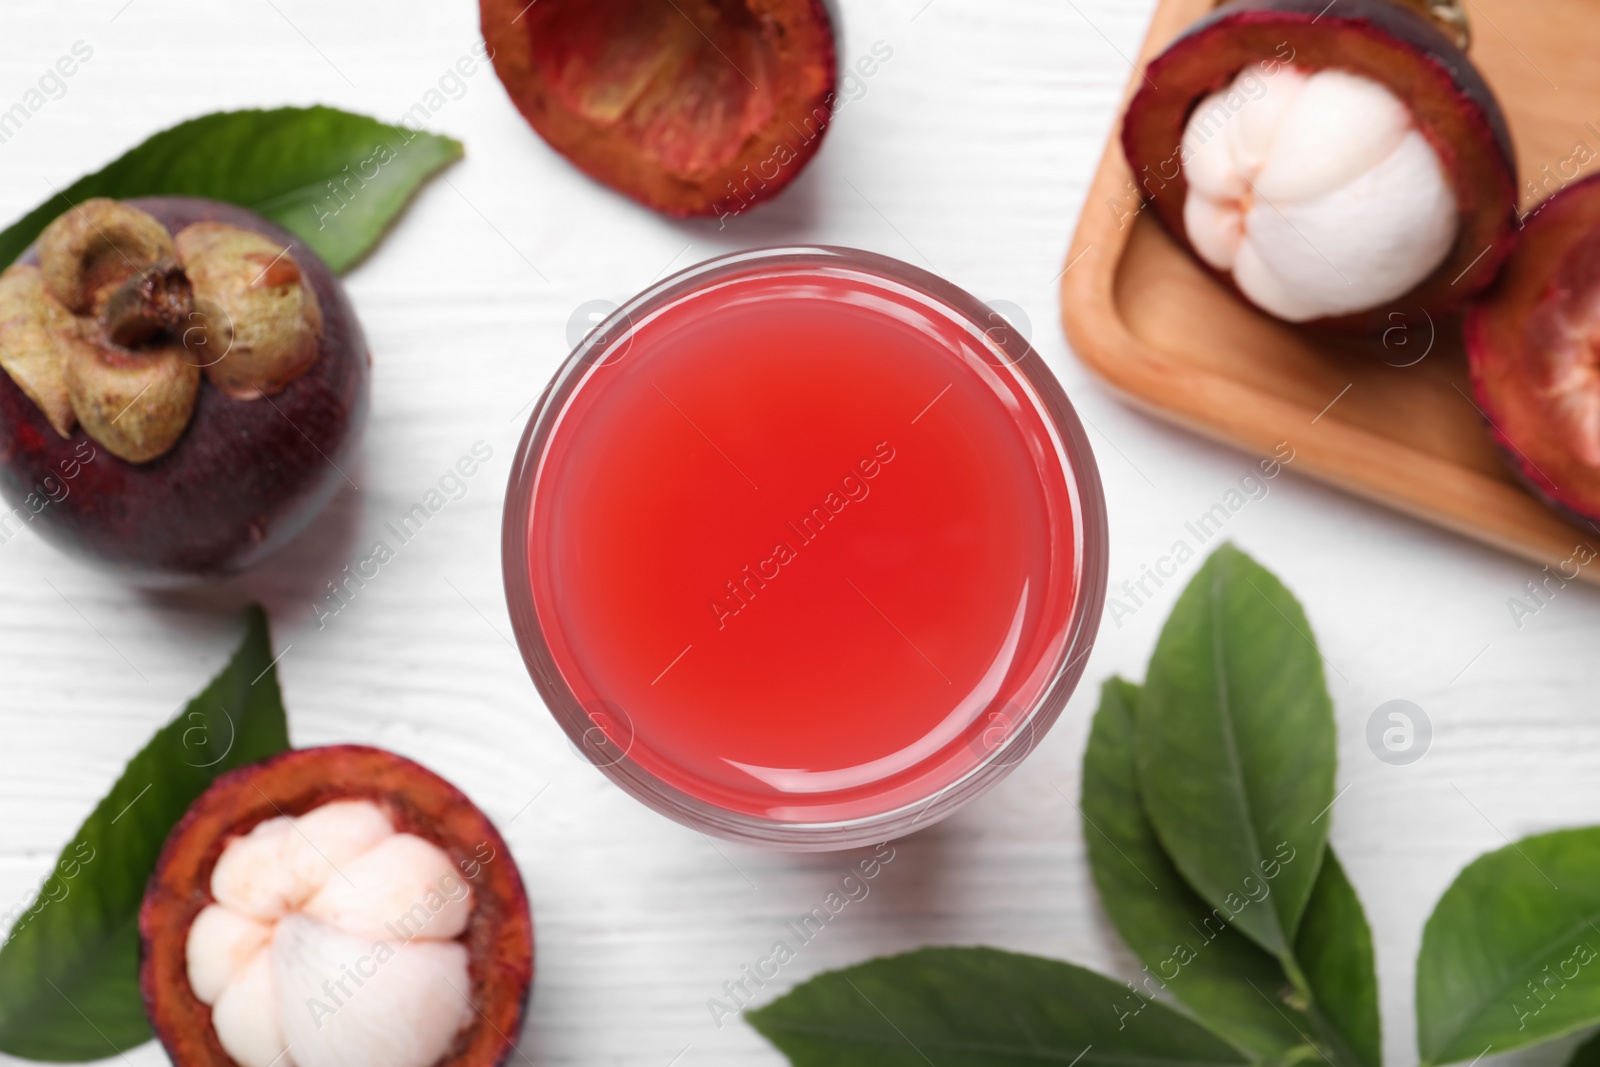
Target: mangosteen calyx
(119,320)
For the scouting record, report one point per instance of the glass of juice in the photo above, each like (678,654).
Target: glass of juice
(805,547)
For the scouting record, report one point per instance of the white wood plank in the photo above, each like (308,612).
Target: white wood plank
(969,150)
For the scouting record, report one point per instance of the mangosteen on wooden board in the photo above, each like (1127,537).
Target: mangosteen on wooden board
(335,907)
(183,384)
(691,107)
(1326,160)
(1533,345)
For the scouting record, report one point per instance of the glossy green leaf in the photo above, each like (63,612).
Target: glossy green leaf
(1511,955)
(69,987)
(1334,950)
(1236,747)
(979,1007)
(1187,946)
(333,179)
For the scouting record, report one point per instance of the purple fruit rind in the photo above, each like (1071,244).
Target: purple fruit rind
(1552,214)
(245,478)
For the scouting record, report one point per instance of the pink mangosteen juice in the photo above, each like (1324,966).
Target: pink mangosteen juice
(804,546)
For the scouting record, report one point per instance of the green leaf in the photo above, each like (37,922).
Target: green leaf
(69,972)
(979,1007)
(1511,954)
(1334,949)
(1236,747)
(333,179)
(1188,946)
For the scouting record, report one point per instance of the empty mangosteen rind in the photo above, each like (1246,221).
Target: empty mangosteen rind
(1531,351)
(696,108)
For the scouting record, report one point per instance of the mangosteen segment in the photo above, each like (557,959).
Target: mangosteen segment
(221,943)
(335,907)
(1326,162)
(692,107)
(1533,344)
(410,1013)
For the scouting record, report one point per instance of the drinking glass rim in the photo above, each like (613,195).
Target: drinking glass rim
(1084,490)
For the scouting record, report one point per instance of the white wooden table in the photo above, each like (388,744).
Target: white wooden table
(968,151)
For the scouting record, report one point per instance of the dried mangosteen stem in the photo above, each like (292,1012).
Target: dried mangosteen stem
(1451,15)
(155,302)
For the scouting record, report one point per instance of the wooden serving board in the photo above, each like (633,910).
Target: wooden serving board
(1139,312)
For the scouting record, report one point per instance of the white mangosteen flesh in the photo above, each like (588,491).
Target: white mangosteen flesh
(334,941)
(1316,191)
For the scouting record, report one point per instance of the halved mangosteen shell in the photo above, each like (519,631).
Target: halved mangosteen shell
(499,935)
(596,78)
(1453,106)
(1499,337)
